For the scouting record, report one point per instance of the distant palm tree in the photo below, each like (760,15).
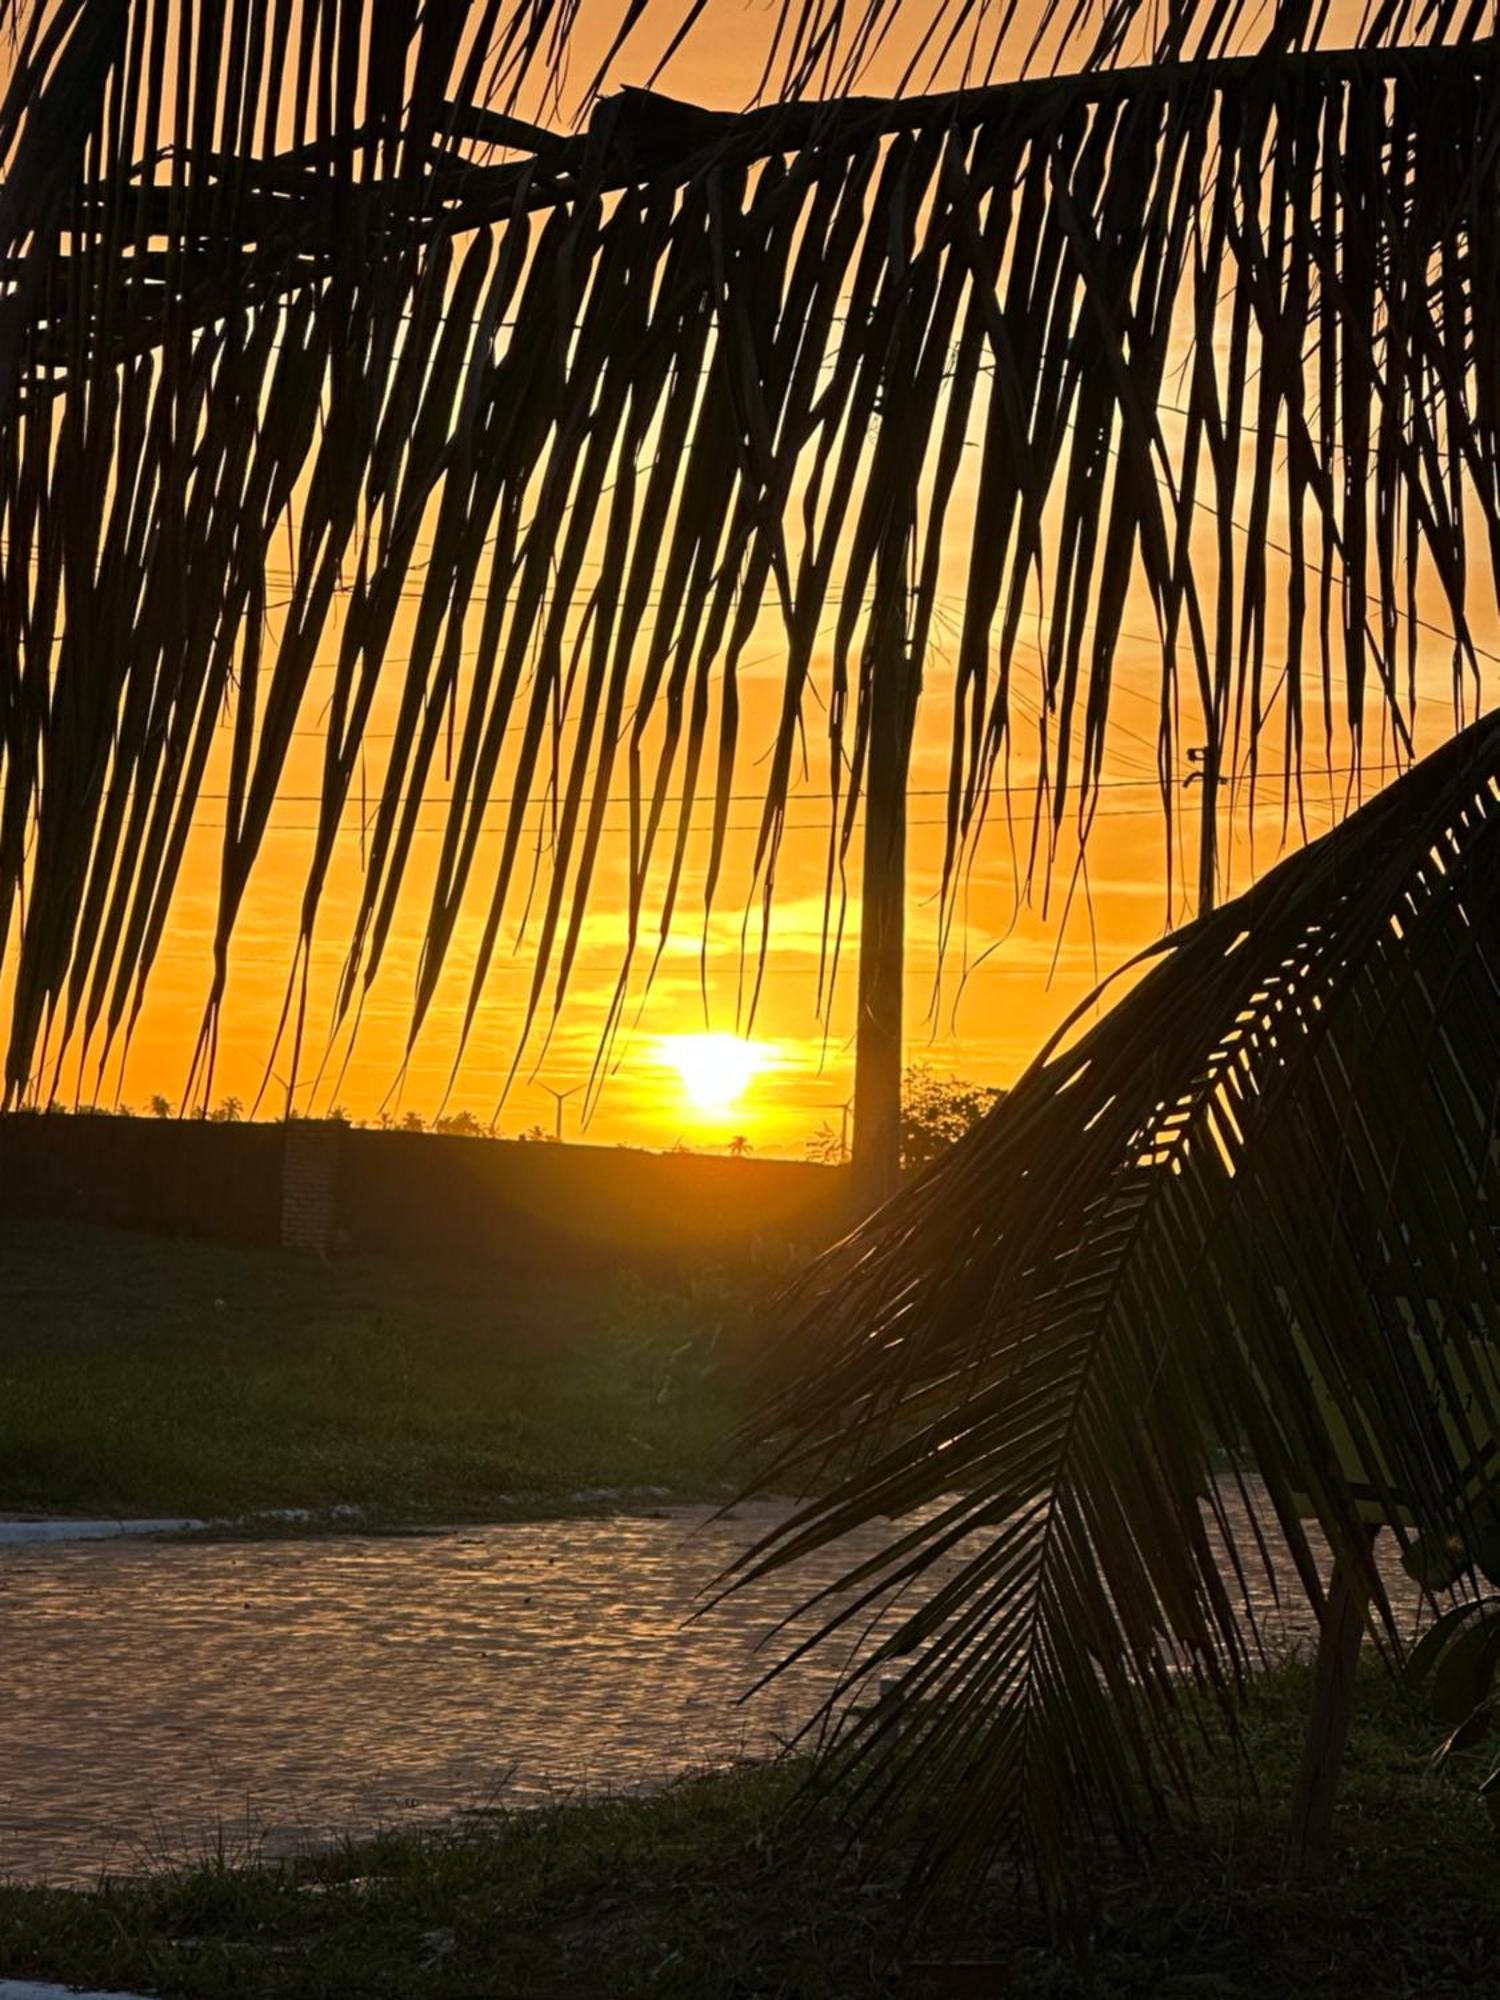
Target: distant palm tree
(314,354)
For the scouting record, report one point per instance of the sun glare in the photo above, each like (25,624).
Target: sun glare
(716,1070)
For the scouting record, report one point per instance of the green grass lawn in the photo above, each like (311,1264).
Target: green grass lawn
(710,1891)
(151,1376)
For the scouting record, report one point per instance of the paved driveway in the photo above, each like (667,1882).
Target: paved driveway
(159,1698)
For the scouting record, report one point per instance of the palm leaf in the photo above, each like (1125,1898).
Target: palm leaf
(318,317)
(1251,1206)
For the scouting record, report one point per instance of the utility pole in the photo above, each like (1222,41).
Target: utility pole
(1206,770)
(878,1047)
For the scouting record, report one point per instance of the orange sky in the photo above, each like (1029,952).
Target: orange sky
(1029,966)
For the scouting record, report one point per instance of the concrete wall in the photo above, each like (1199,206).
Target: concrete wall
(534,1206)
(332,1188)
(188,1179)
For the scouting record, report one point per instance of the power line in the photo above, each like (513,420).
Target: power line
(645,800)
(820,826)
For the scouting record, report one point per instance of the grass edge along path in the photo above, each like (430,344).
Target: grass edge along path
(710,1887)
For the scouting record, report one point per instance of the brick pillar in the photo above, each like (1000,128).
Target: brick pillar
(310,1183)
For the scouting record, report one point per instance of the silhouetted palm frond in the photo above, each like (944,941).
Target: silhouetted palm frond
(347,366)
(1253,1206)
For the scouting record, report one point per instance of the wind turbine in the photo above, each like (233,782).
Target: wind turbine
(559,1098)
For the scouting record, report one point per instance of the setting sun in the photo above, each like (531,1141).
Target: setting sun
(716,1070)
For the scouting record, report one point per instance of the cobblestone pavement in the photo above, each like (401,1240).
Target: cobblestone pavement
(162,1698)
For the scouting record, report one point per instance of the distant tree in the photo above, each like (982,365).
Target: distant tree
(161,1107)
(826,1148)
(534,1135)
(739,1146)
(936,1110)
(229,1112)
(460,1125)
(339,1114)
(413,1121)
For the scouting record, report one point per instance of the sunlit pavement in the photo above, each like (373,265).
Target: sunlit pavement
(164,1700)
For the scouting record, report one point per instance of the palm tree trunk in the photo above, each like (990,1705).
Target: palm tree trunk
(1343,1629)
